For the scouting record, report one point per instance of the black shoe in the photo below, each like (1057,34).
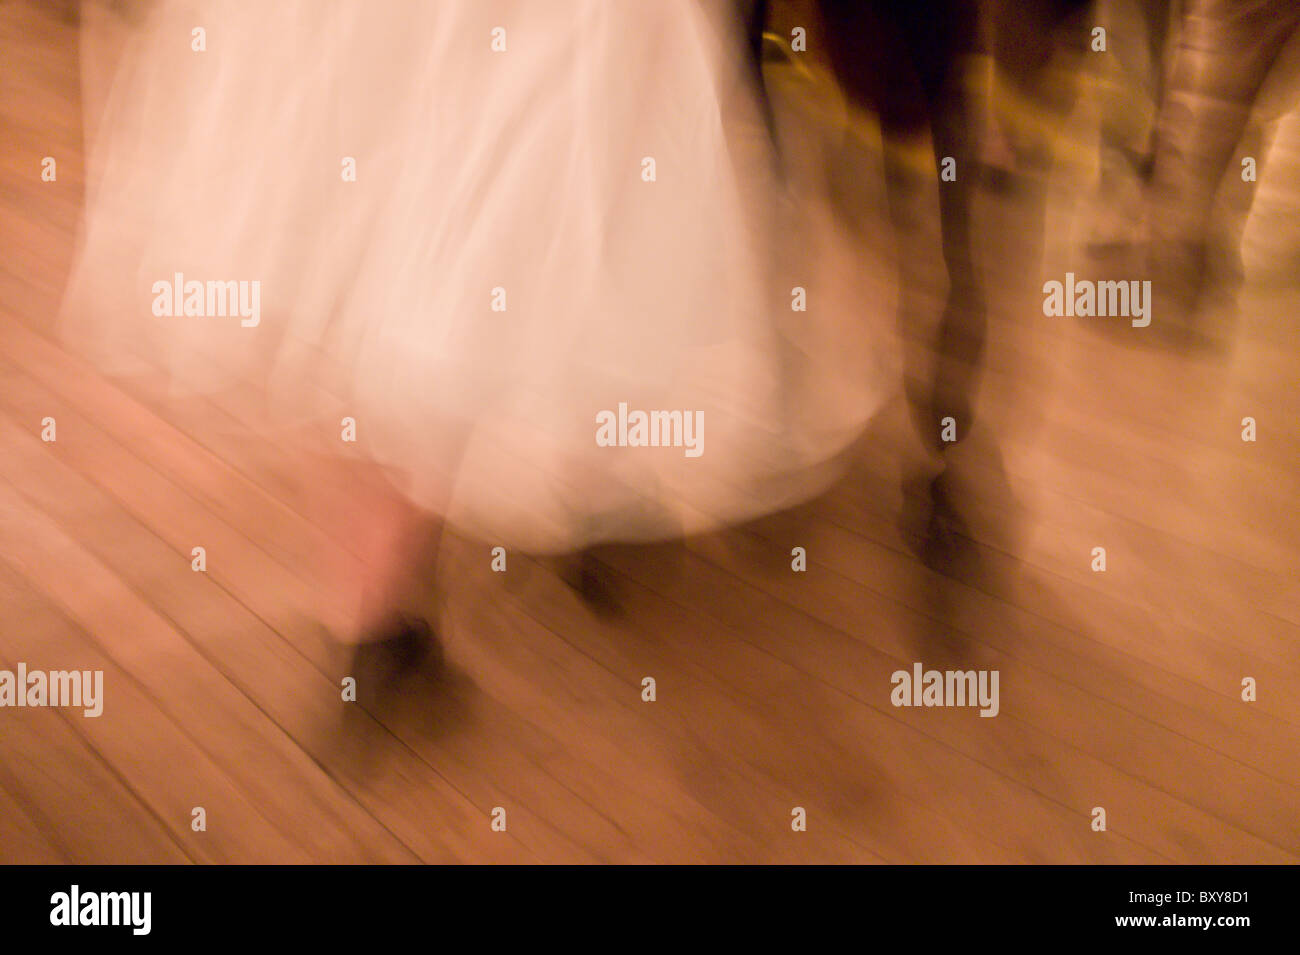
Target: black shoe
(948,547)
(399,651)
(590,580)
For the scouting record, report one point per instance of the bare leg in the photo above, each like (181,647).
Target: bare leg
(382,568)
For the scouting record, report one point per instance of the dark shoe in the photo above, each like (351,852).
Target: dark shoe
(399,651)
(948,547)
(589,578)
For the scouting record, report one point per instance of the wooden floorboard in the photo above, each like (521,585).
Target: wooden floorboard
(1120,689)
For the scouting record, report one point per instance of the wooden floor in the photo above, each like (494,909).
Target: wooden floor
(1119,690)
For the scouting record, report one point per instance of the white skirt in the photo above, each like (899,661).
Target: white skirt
(497,235)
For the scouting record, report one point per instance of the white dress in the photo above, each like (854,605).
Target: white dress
(558,208)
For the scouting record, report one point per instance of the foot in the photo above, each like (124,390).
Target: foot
(398,651)
(590,579)
(948,546)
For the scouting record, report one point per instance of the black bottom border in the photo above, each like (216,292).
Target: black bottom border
(333,904)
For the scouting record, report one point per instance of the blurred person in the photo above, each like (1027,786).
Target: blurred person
(1224,52)
(1032,91)
(903,62)
(1221,55)
(1131,84)
(912,66)
(488,235)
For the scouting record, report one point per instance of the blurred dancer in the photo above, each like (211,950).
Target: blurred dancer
(910,65)
(1131,88)
(1224,52)
(490,235)
(903,61)
(1024,39)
